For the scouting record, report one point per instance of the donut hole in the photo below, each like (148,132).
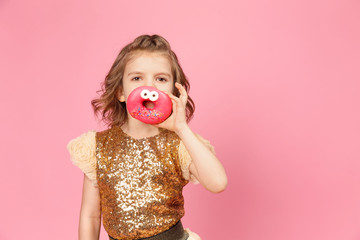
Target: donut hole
(149,104)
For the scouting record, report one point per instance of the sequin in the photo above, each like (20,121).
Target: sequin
(140,183)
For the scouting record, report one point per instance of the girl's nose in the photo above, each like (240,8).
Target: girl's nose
(149,83)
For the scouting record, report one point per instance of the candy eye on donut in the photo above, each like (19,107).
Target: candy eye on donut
(154,96)
(145,94)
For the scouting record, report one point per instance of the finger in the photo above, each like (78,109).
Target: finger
(176,99)
(172,96)
(174,107)
(183,93)
(181,88)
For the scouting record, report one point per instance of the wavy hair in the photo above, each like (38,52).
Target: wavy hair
(112,111)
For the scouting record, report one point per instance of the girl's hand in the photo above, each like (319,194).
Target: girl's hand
(177,119)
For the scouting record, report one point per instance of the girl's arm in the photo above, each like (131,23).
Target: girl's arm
(90,214)
(204,166)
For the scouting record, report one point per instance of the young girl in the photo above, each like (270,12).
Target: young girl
(134,172)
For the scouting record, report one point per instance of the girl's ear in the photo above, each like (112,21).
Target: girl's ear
(121,96)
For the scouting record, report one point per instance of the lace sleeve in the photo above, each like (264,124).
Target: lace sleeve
(82,154)
(185,159)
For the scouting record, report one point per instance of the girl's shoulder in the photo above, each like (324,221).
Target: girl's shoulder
(82,150)
(86,139)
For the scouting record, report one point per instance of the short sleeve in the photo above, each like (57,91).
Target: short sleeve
(185,159)
(82,154)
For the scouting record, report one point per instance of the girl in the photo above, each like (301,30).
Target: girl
(134,172)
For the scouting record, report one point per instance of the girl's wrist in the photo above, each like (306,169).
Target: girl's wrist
(181,130)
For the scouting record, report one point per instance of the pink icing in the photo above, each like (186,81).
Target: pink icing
(158,114)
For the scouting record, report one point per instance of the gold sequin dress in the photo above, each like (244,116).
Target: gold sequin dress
(140,181)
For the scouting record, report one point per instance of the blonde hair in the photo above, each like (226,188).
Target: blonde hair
(113,112)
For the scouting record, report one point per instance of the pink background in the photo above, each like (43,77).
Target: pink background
(276,86)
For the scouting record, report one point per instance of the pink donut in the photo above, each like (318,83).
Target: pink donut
(136,105)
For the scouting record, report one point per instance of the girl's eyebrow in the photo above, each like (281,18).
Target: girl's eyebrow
(134,73)
(160,73)
(164,73)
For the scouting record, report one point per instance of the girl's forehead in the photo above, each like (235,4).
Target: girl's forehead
(148,61)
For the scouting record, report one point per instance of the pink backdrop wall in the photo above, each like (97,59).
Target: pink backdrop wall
(276,86)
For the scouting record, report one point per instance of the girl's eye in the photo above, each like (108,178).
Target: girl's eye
(162,79)
(136,78)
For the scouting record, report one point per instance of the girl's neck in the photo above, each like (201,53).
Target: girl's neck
(138,129)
